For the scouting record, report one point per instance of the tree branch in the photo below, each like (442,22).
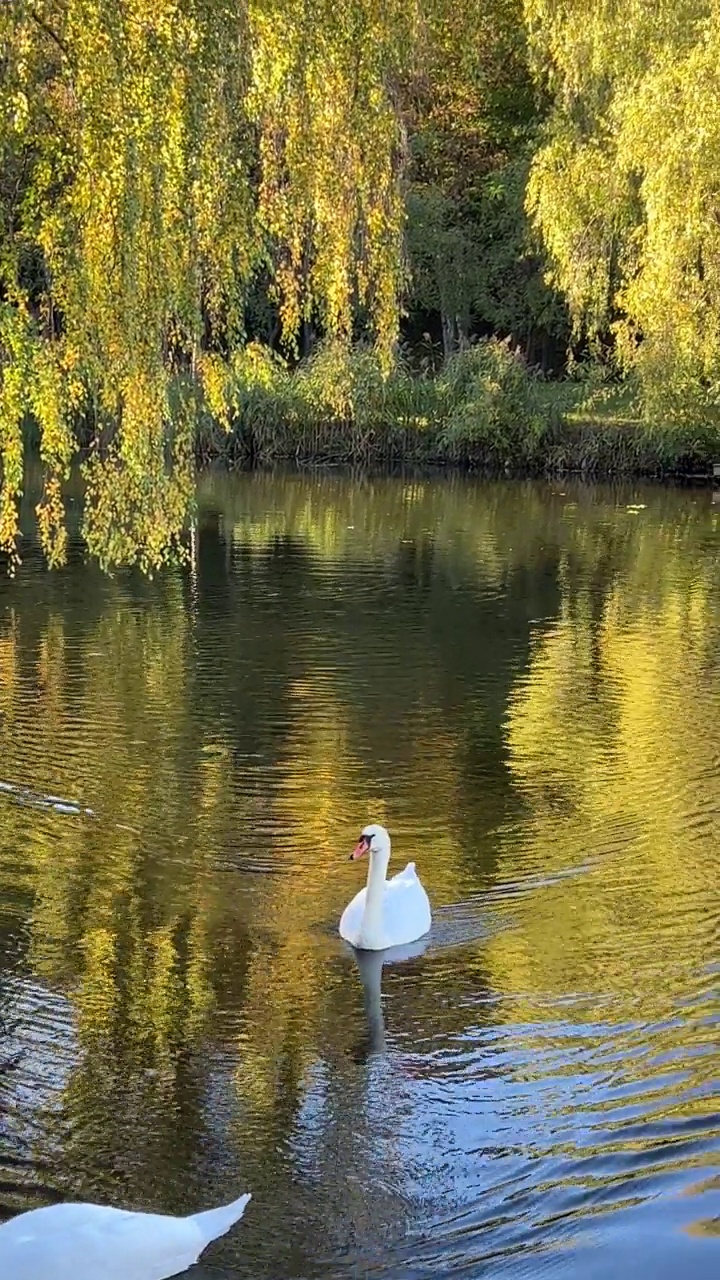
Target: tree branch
(49,32)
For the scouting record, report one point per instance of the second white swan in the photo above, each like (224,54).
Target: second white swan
(386,913)
(89,1241)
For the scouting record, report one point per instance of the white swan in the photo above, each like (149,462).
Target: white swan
(386,913)
(87,1241)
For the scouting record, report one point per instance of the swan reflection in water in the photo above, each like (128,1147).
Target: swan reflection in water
(456,925)
(370,967)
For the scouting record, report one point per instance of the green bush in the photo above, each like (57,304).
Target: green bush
(494,410)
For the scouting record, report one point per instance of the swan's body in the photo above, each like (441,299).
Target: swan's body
(386,913)
(90,1242)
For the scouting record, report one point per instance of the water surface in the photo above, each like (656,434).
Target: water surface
(523,682)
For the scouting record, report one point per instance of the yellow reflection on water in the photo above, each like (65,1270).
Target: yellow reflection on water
(201,899)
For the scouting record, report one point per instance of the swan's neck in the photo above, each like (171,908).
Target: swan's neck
(372,921)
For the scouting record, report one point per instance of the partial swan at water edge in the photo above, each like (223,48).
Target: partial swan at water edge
(89,1241)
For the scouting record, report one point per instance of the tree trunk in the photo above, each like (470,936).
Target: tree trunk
(449,335)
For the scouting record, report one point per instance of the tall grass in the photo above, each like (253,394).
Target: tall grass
(484,409)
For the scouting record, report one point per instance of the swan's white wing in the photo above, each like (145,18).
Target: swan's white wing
(406,909)
(407,873)
(85,1241)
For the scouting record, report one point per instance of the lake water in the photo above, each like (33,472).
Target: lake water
(523,682)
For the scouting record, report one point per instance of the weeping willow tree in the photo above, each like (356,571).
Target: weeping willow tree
(155,156)
(626,188)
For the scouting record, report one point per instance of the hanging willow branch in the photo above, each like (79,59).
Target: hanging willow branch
(167,150)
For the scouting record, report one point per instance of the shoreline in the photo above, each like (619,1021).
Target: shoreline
(590,451)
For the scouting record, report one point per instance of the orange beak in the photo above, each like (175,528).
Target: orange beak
(360,849)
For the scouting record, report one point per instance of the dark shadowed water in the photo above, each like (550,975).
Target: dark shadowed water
(523,682)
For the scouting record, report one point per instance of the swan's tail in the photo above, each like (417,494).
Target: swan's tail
(215,1222)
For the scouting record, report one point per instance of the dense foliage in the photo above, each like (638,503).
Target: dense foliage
(154,157)
(178,177)
(626,186)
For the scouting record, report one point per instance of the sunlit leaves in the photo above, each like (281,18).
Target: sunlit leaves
(626,190)
(155,156)
(328,127)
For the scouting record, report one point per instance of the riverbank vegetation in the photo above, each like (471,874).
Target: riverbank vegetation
(483,408)
(439,231)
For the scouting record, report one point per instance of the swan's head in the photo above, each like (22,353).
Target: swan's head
(374,839)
